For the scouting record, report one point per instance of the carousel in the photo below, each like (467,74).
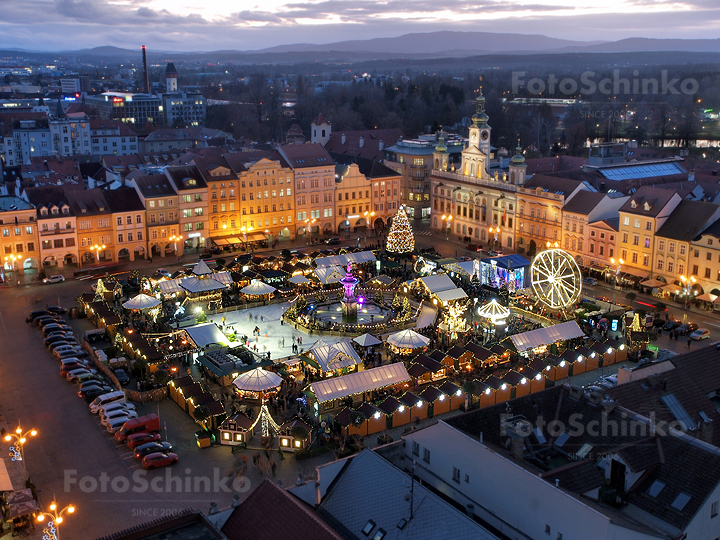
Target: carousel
(406,342)
(260,384)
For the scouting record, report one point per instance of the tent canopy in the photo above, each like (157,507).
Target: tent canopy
(258,288)
(258,380)
(451,294)
(329,274)
(671,287)
(330,357)
(343,260)
(201,269)
(170,286)
(437,283)
(207,334)
(198,285)
(361,381)
(493,310)
(141,301)
(5,483)
(407,339)
(652,283)
(707,297)
(298,280)
(546,336)
(366,340)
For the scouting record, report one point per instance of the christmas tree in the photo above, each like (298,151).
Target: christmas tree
(400,238)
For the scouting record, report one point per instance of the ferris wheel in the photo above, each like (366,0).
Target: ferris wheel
(556,278)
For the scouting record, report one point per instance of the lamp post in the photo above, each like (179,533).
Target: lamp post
(97,249)
(368,219)
(11,259)
(447,219)
(687,285)
(55,518)
(174,239)
(497,231)
(308,225)
(620,262)
(16,450)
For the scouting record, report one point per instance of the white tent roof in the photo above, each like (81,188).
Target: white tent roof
(451,294)
(493,310)
(170,286)
(342,260)
(223,277)
(437,283)
(546,336)
(258,288)
(333,356)
(330,274)
(298,280)
(407,339)
(207,334)
(197,285)
(258,380)
(361,381)
(201,269)
(366,340)
(141,301)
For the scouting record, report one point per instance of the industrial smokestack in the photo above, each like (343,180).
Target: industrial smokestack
(146,75)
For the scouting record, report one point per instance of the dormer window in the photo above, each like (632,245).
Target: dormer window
(43,212)
(65,209)
(633,204)
(189,182)
(646,207)
(54,211)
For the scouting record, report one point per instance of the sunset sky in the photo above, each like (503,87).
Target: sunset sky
(250,25)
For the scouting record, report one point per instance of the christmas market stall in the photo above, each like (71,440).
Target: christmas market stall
(331,394)
(538,341)
(295,435)
(426,370)
(236,430)
(510,271)
(406,342)
(258,290)
(262,384)
(366,340)
(330,359)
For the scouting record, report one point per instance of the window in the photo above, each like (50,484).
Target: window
(426,455)
(708,256)
(138,218)
(119,220)
(661,245)
(625,238)
(707,273)
(648,225)
(635,257)
(714,509)
(681,268)
(369,526)
(660,264)
(647,241)
(379,535)
(671,247)
(120,238)
(670,267)
(626,220)
(456,475)
(695,269)
(637,223)
(646,260)
(31,246)
(682,249)
(636,240)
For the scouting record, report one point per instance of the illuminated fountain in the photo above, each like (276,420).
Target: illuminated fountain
(349,302)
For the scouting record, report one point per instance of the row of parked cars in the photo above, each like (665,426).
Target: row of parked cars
(119,417)
(688,329)
(602,384)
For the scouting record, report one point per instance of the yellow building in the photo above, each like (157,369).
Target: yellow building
(640,218)
(128,221)
(56,226)
(18,228)
(192,208)
(674,256)
(704,257)
(161,213)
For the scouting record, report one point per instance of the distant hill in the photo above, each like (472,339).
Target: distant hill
(655,45)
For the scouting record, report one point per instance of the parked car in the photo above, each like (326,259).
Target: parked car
(57,278)
(151,448)
(67,368)
(94,383)
(74,353)
(39,313)
(603,299)
(56,337)
(75,373)
(333,241)
(114,406)
(687,328)
(473,247)
(700,333)
(117,424)
(122,377)
(117,411)
(159,459)
(47,321)
(60,344)
(136,439)
(57,309)
(127,413)
(91,393)
(671,325)
(161,272)
(590,281)
(492,253)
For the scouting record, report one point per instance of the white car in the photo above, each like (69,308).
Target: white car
(114,406)
(107,420)
(116,424)
(700,333)
(57,278)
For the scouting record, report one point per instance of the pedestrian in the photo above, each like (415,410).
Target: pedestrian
(688,343)
(273,467)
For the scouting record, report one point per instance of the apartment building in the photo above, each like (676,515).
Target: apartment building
(192,208)
(602,243)
(353,192)
(136,109)
(705,254)
(128,221)
(56,225)
(640,218)
(160,201)
(112,137)
(18,227)
(314,175)
(578,238)
(673,255)
(96,242)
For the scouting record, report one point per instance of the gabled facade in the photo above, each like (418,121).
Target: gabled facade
(96,242)
(161,212)
(56,225)
(18,231)
(192,193)
(128,222)
(705,254)
(602,242)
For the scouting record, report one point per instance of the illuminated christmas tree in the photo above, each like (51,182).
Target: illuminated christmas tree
(400,238)
(635,326)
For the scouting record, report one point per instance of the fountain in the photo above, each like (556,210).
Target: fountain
(349,302)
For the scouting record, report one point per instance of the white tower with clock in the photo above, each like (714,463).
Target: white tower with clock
(477,154)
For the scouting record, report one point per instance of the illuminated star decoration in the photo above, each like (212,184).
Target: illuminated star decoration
(15,454)
(50,532)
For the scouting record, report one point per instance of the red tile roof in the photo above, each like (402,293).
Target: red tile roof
(271,513)
(370,142)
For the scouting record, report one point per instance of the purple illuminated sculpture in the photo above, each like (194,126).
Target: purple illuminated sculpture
(349,302)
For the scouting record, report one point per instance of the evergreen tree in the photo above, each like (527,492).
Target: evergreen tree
(400,238)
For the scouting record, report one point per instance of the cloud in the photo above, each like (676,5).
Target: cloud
(257,16)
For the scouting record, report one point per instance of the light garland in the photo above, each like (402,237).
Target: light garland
(267,421)
(50,532)
(400,237)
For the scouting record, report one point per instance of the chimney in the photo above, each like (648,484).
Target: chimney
(691,175)
(362,142)
(381,145)
(213,504)
(342,139)
(146,75)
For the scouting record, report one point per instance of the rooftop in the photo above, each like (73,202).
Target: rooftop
(301,156)
(553,184)
(11,204)
(155,185)
(583,202)
(688,220)
(648,201)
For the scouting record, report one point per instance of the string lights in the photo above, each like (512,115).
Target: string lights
(400,238)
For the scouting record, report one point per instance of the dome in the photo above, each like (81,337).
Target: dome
(441,148)
(518,158)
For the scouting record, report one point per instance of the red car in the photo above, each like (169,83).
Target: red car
(159,459)
(136,439)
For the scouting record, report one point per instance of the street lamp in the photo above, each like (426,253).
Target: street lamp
(620,262)
(97,249)
(12,258)
(55,518)
(497,231)
(687,284)
(16,450)
(174,239)
(368,221)
(447,219)
(308,225)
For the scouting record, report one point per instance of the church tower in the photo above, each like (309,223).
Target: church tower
(517,168)
(171,75)
(320,130)
(440,156)
(477,154)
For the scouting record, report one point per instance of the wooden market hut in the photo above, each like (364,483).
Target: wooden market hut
(289,443)
(454,393)
(621,350)
(536,378)
(502,391)
(461,358)
(217,411)
(416,405)
(376,418)
(175,384)
(501,354)
(437,402)
(236,430)
(481,356)
(186,393)
(519,384)
(591,357)
(437,371)
(577,362)
(485,393)
(395,417)
(559,368)
(606,358)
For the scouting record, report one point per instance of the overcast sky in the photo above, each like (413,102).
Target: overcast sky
(189,25)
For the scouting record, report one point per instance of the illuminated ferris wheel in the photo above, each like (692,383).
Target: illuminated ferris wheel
(556,278)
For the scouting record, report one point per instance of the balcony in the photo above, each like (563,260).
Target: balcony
(504,186)
(418,166)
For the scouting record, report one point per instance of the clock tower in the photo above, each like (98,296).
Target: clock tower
(477,155)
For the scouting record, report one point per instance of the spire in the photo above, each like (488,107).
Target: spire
(441,148)
(59,111)
(480,119)
(518,160)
